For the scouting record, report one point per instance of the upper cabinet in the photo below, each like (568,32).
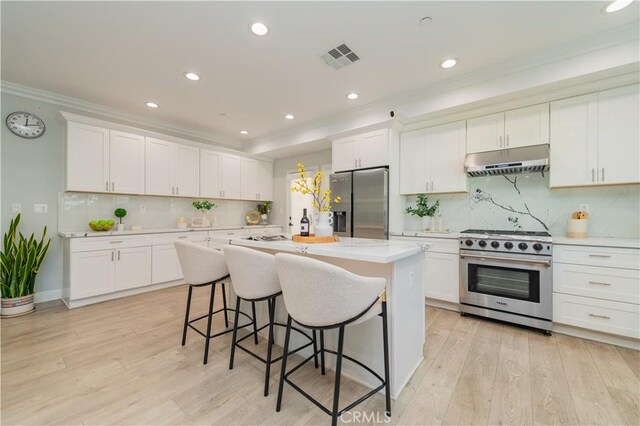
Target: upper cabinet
(126,162)
(511,129)
(210,164)
(249,179)
(230,176)
(361,151)
(265,180)
(171,168)
(432,160)
(595,139)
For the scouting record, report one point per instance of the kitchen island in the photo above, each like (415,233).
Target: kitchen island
(401,263)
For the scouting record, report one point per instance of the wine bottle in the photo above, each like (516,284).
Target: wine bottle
(304,224)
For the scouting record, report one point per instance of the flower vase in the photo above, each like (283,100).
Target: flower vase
(205,219)
(324,224)
(426,223)
(264,219)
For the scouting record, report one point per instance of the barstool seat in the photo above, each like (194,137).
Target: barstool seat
(321,296)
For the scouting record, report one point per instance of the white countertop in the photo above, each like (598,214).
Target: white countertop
(598,242)
(426,234)
(362,249)
(114,233)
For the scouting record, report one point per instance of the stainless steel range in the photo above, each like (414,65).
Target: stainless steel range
(506,275)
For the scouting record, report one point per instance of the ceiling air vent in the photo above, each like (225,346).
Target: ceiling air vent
(339,57)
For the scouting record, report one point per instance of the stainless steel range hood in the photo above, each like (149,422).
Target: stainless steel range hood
(508,161)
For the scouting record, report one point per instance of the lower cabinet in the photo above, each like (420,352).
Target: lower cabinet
(166,266)
(133,267)
(92,273)
(442,272)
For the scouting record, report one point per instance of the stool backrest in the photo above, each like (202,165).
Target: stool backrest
(200,264)
(253,272)
(320,294)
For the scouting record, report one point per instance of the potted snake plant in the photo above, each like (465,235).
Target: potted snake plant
(20,260)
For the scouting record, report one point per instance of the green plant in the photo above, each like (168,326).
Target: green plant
(20,260)
(203,205)
(120,213)
(265,208)
(422,208)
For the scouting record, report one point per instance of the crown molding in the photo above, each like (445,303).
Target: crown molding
(69,102)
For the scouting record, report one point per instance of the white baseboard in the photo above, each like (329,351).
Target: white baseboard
(46,296)
(442,304)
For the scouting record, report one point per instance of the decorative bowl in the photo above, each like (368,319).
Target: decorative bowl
(101,227)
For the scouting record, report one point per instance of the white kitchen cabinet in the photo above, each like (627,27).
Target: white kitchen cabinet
(187,171)
(166,265)
(230,177)
(126,162)
(133,267)
(249,179)
(92,273)
(159,167)
(511,129)
(442,272)
(210,174)
(87,158)
(432,160)
(366,150)
(265,180)
(595,139)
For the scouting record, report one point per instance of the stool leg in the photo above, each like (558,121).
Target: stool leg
(336,389)
(235,333)
(322,371)
(255,323)
(209,321)
(283,368)
(186,317)
(273,306)
(385,339)
(315,350)
(269,347)
(224,306)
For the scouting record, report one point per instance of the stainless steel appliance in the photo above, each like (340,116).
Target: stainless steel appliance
(508,161)
(506,275)
(363,211)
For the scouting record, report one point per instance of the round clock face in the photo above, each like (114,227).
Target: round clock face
(25,124)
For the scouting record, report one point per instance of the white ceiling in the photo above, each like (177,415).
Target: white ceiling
(122,54)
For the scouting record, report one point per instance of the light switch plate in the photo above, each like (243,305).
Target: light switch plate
(16,208)
(40,208)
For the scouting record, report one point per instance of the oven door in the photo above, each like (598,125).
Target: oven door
(519,284)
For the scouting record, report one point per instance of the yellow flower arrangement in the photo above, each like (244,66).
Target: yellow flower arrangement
(321,199)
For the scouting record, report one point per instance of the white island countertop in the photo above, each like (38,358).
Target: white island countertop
(367,250)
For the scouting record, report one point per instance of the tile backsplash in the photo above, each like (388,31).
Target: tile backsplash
(525,202)
(76,210)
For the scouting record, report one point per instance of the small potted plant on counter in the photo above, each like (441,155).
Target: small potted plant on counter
(264,209)
(20,260)
(120,213)
(203,206)
(424,211)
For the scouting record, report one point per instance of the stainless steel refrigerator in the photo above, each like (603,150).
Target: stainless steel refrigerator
(363,211)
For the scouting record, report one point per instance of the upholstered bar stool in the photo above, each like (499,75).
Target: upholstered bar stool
(255,280)
(202,266)
(322,297)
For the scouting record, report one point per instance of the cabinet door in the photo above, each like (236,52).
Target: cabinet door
(159,167)
(373,149)
(442,276)
(485,133)
(126,162)
(249,179)
(344,153)
(187,171)
(87,157)
(133,267)
(231,176)
(166,266)
(447,147)
(574,141)
(526,126)
(265,180)
(413,168)
(210,172)
(619,135)
(92,273)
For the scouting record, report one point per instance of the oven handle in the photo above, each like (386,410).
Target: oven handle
(508,259)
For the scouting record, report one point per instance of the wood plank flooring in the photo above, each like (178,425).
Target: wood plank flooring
(121,362)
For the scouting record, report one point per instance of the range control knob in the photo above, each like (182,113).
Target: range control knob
(482,243)
(523,246)
(508,245)
(469,243)
(495,244)
(537,246)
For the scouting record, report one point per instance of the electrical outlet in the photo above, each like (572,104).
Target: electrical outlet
(16,208)
(143,209)
(584,207)
(40,208)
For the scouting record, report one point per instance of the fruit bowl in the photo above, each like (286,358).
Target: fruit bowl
(101,225)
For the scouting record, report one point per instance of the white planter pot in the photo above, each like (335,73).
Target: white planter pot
(426,223)
(17,306)
(120,227)
(324,224)
(264,219)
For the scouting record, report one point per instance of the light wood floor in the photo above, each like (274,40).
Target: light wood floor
(121,362)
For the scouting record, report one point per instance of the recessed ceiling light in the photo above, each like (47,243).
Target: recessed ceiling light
(289,116)
(192,76)
(244,132)
(617,5)
(152,105)
(352,96)
(449,63)
(425,22)
(258,28)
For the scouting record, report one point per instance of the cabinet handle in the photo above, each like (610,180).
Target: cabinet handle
(355,162)
(115,242)
(359,162)
(500,142)
(507,140)
(603,174)
(177,190)
(118,255)
(112,256)
(107,185)
(599,316)
(113,185)
(593,175)
(598,283)
(184,236)
(173,190)
(599,255)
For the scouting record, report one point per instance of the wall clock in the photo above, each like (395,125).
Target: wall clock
(25,125)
